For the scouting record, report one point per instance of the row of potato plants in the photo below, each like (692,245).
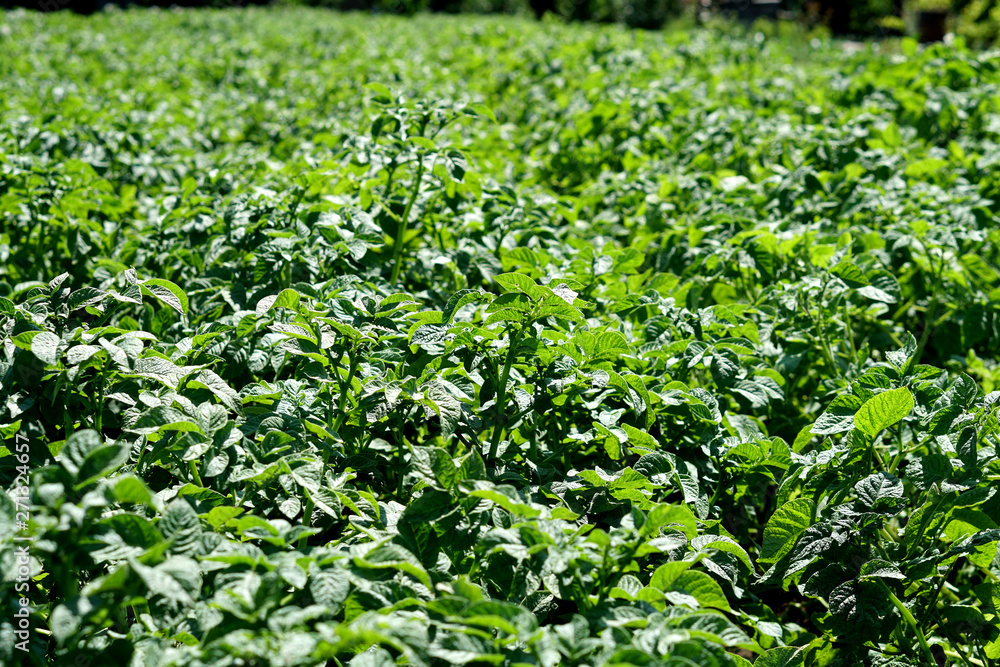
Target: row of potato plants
(371,341)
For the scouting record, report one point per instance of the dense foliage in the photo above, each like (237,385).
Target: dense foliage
(977,21)
(352,340)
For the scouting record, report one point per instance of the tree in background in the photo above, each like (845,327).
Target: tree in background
(978,21)
(850,17)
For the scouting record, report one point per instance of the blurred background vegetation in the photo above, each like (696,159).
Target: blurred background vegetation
(977,21)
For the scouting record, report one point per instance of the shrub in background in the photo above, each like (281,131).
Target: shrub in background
(978,21)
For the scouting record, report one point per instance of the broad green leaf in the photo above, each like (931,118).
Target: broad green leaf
(513,506)
(883,410)
(329,587)
(518,282)
(666,574)
(163,418)
(211,381)
(461,298)
(722,543)
(78,447)
(394,557)
(287,298)
(879,492)
(45,346)
(880,569)
(68,617)
(839,415)
(167,292)
(784,528)
(177,579)
(782,656)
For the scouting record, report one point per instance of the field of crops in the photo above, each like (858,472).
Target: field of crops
(340,339)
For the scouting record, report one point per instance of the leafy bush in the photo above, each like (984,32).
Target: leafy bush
(343,339)
(979,22)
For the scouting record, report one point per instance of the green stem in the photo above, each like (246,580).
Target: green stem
(821,334)
(849,333)
(397,250)
(932,600)
(501,403)
(295,204)
(912,622)
(99,418)
(307,510)
(193,468)
(926,334)
(346,387)
(932,306)
(899,454)
(400,474)
(307,513)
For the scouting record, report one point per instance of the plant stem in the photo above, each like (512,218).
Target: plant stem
(926,333)
(193,468)
(912,622)
(397,250)
(501,400)
(100,406)
(346,386)
(899,453)
(849,333)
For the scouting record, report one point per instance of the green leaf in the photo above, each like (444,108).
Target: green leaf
(180,524)
(782,656)
(100,462)
(382,94)
(880,492)
(880,569)
(850,274)
(461,298)
(701,587)
(482,110)
(167,292)
(394,557)
(784,528)
(671,516)
(68,617)
(883,410)
(85,296)
(157,368)
(77,354)
(78,447)
(45,346)
(177,579)
(722,543)
(211,381)
(518,282)
(561,310)
(287,298)
(329,587)
(839,415)
(221,515)
(666,574)
(884,288)
(163,418)
(512,505)
(511,301)
(130,535)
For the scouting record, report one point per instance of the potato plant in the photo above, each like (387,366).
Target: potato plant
(364,340)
